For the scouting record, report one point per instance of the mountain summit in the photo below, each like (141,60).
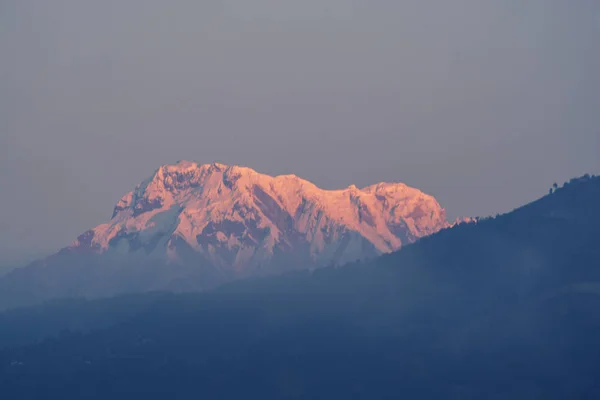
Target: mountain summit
(238,219)
(192,227)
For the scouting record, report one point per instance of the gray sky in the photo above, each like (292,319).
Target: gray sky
(483,104)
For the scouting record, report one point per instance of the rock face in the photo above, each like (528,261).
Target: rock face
(242,221)
(192,227)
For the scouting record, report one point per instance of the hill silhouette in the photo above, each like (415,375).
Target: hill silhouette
(505,307)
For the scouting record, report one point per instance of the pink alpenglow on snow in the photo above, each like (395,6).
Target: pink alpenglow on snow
(240,220)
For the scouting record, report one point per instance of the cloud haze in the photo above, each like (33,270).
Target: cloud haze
(482,104)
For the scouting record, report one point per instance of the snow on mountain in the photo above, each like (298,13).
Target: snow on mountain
(242,221)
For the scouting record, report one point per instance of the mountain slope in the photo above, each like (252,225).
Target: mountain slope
(191,227)
(503,308)
(238,218)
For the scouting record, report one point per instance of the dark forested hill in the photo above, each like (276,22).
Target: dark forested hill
(506,307)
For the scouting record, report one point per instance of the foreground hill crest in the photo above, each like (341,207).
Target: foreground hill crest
(238,219)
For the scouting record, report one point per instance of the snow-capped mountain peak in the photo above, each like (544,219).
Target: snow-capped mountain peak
(238,219)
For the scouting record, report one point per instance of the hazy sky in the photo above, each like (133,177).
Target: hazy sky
(483,104)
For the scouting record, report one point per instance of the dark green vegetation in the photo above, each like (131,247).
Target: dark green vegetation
(507,307)
(60,317)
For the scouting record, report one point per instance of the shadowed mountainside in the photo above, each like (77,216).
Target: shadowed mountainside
(502,308)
